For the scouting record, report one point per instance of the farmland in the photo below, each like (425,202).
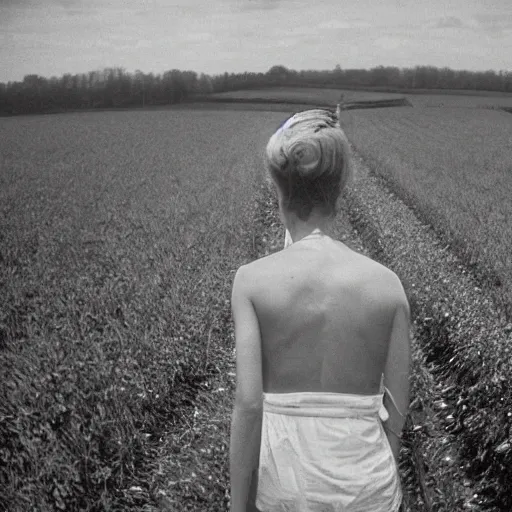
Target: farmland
(120,233)
(330,97)
(119,236)
(454,167)
(307,95)
(475,100)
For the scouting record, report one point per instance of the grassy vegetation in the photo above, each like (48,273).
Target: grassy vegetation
(453,167)
(195,477)
(483,100)
(284,98)
(328,97)
(119,235)
(120,232)
(462,332)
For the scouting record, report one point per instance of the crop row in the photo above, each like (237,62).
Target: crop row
(118,232)
(452,166)
(461,332)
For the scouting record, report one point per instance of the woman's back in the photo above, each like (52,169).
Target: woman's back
(325,314)
(317,325)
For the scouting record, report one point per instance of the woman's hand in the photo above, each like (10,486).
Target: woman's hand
(394,442)
(287,239)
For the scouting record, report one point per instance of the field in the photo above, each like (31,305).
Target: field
(487,100)
(308,95)
(454,167)
(119,236)
(330,97)
(120,232)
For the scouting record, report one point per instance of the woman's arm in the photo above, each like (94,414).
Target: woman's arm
(396,376)
(248,409)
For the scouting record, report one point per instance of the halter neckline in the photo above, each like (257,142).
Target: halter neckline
(317,231)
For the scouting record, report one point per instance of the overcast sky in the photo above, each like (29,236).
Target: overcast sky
(53,37)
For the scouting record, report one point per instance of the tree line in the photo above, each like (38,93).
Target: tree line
(116,88)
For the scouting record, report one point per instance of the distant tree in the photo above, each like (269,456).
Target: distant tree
(379,76)
(205,84)
(31,100)
(278,74)
(149,88)
(505,79)
(176,86)
(114,87)
(4,102)
(138,89)
(190,83)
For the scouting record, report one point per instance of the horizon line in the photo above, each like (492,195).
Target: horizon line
(199,73)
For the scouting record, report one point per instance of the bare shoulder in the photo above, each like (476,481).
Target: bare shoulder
(385,283)
(247,276)
(254,270)
(397,291)
(242,278)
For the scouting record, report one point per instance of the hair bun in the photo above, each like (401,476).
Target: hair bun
(308,160)
(309,143)
(305,154)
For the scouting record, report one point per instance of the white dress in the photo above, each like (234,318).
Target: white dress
(326,452)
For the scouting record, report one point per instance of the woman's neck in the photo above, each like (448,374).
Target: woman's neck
(299,229)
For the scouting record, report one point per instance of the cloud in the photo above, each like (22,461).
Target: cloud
(494,22)
(72,12)
(454,22)
(342,24)
(197,37)
(449,22)
(319,31)
(11,10)
(389,43)
(55,36)
(333,25)
(257,5)
(7,4)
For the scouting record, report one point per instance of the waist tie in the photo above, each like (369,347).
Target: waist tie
(326,405)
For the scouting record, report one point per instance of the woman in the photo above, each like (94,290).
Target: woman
(322,348)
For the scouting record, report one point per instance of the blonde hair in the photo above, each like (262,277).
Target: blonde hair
(308,158)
